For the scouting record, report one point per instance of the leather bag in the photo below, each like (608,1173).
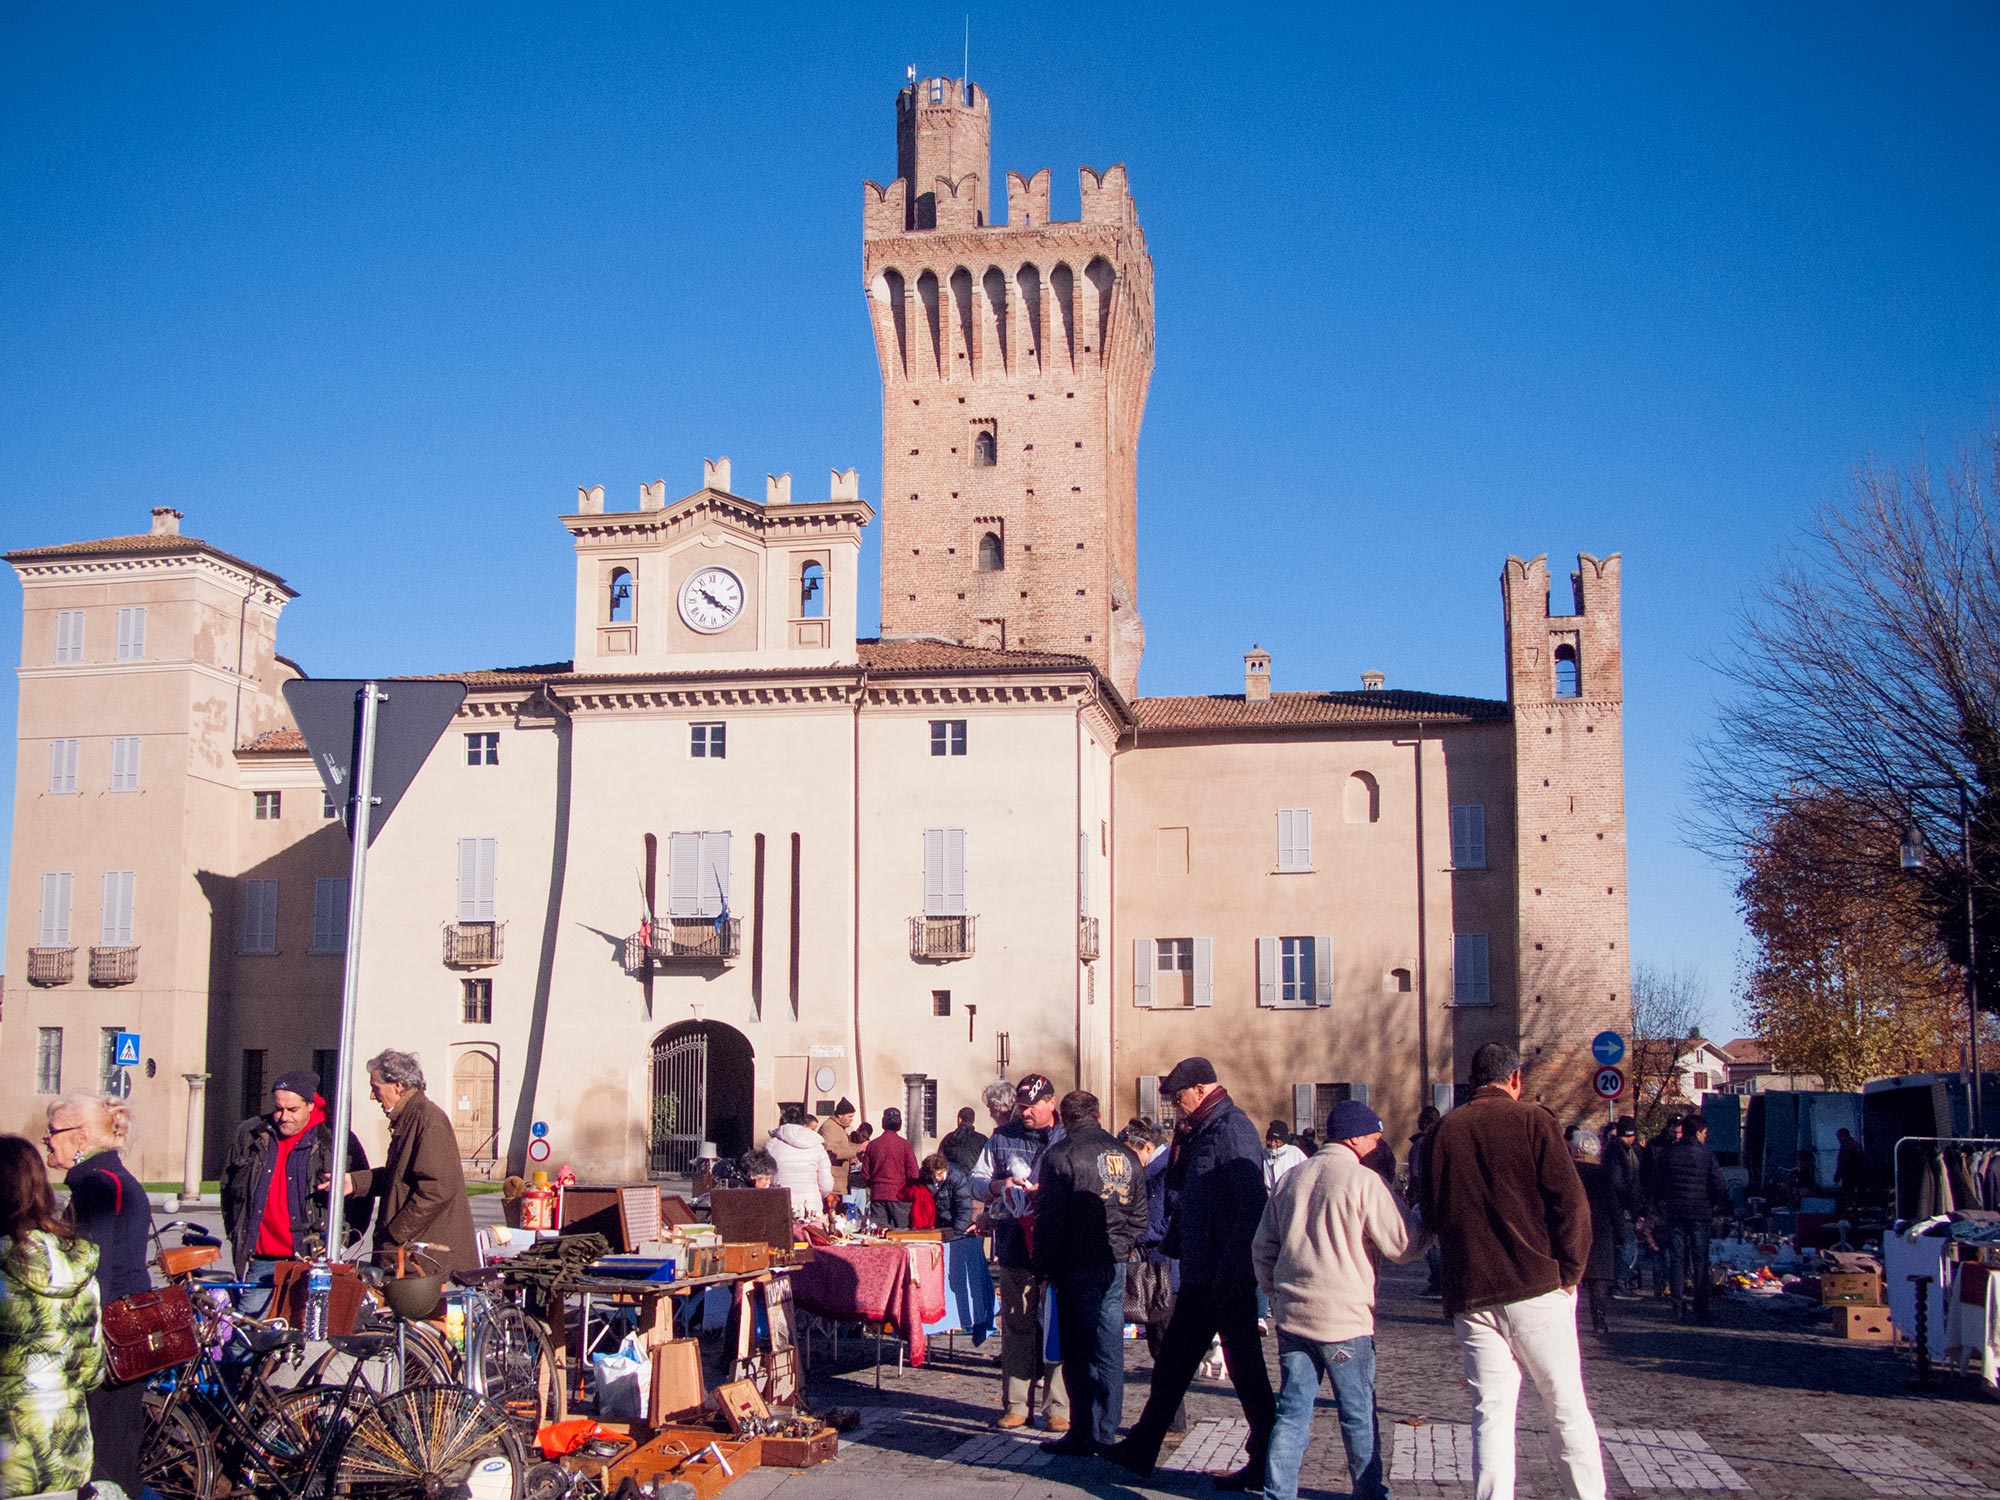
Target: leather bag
(148,1332)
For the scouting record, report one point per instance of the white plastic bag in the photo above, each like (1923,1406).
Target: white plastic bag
(622,1381)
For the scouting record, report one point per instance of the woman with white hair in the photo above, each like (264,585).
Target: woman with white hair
(1586,1148)
(85,1136)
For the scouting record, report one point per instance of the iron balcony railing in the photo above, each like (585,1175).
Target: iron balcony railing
(677,939)
(109,966)
(49,966)
(474,945)
(1086,939)
(942,937)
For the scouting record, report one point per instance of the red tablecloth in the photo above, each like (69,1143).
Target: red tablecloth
(868,1283)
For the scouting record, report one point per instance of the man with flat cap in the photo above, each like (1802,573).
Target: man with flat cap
(1314,1253)
(1215,1198)
(274,1185)
(1006,1178)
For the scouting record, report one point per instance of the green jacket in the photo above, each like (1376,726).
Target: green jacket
(51,1356)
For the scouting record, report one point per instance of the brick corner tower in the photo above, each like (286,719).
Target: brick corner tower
(1565,684)
(1015,359)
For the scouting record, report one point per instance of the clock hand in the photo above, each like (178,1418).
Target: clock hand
(711,598)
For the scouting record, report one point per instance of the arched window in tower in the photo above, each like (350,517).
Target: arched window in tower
(985,449)
(812,592)
(1364,799)
(621,600)
(992,558)
(1569,680)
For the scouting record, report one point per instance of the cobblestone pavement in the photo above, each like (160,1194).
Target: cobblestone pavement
(1762,1403)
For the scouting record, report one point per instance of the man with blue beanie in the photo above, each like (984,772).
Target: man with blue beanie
(1311,1252)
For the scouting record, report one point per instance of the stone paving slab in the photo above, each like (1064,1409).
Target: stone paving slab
(1654,1460)
(1433,1452)
(1892,1465)
(1215,1446)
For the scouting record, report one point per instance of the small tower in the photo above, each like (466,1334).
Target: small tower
(1565,683)
(1015,360)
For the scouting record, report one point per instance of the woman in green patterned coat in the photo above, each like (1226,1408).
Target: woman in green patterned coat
(51,1352)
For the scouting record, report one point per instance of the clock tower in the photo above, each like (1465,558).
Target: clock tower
(716,581)
(1015,359)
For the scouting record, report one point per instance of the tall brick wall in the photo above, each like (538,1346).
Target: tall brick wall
(1033,337)
(1569,776)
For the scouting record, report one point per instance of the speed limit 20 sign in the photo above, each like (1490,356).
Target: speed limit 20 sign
(1609,1083)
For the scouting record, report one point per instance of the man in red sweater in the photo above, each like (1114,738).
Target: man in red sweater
(889,1168)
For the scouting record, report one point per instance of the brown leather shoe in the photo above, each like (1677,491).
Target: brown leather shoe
(1012,1420)
(1058,1424)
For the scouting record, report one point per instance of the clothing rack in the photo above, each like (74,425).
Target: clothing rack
(1942,1143)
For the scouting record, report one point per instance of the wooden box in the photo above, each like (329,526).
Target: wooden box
(1868,1325)
(1841,1288)
(668,1452)
(740,1260)
(676,1384)
(802,1453)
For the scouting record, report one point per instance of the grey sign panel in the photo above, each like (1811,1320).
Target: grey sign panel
(409,720)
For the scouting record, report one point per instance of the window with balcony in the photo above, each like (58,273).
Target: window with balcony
(53,961)
(483,748)
(474,938)
(698,923)
(945,930)
(708,741)
(266,807)
(947,736)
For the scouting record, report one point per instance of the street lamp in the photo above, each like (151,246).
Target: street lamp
(1913,858)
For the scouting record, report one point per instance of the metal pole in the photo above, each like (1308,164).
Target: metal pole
(1971,966)
(359,812)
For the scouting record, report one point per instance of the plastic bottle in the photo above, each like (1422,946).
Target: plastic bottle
(454,1322)
(319,1292)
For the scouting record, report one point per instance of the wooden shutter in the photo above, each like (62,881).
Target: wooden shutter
(55,911)
(1468,836)
(1302,1108)
(1267,971)
(132,633)
(1142,974)
(1083,873)
(1204,971)
(69,635)
(1470,982)
(934,872)
(115,931)
(62,765)
(714,891)
(329,916)
(1149,1096)
(260,916)
(954,872)
(1287,848)
(683,874)
(1302,837)
(124,763)
(476,870)
(1322,971)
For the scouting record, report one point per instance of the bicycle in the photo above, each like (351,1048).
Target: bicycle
(508,1355)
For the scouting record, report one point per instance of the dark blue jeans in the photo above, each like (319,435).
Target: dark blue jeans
(1625,1275)
(1350,1366)
(1090,1319)
(1687,1264)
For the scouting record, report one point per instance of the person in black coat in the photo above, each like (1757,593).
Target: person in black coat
(951,1192)
(1215,1188)
(962,1147)
(274,1185)
(1621,1166)
(111,1210)
(1090,1214)
(1688,1189)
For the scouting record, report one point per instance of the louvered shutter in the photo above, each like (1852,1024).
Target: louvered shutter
(954,872)
(1468,836)
(1287,849)
(714,888)
(683,874)
(124,763)
(1470,982)
(1302,838)
(1083,874)
(1302,1108)
(260,916)
(1322,971)
(329,916)
(115,931)
(1204,971)
(62,766)
(1267,971)
(132,633)
(69,635)
(477,859)
(934,872)
(1149,1096)
(1142,973)
(55,910)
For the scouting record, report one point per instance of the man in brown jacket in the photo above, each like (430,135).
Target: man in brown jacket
(837,1131)
(1510,1214)
(421,1185)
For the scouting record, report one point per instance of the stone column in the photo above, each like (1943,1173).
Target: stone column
(191,1163)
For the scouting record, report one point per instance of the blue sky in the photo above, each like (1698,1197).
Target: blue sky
(367,291)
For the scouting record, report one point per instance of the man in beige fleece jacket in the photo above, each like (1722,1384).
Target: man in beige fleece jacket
(1311,1254)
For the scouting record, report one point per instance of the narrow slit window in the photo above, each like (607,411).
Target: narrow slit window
(812,592)
(620,603)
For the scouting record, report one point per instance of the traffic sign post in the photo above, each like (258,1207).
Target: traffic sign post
(125,1049)
(538,1149)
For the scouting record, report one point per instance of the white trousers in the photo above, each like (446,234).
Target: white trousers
(1537,1335)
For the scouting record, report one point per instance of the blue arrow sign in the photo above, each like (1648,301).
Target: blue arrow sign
(125,1049)
(1608,1047)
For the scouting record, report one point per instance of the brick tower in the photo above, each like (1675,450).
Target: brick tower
(1565,682)
(1015,360)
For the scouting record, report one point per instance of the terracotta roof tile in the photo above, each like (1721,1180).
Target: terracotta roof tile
(876,656)
(1231,711)
(286,741)
(1747,1049)
(132,546)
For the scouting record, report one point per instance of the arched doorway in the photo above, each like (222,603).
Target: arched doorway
(704,1092)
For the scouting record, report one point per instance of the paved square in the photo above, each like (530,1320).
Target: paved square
(1430,1452)
(1653,1460)
(1210,1447)
(1891,1465)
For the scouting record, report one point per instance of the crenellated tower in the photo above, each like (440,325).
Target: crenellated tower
(1015,360)
(1565,684)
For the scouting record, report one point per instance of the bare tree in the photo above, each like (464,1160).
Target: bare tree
(1866,680)
(1669,1005)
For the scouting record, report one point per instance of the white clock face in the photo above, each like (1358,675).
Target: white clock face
(711,600)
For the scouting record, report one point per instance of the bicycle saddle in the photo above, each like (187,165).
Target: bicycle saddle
(361,1345)
(271,1340)
(481,1277)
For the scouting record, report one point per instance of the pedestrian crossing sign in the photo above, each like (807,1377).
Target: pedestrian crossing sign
(125,1049)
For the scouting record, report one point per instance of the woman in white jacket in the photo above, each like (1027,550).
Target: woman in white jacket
(803,1165)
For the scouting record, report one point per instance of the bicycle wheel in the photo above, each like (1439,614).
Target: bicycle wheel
(176,1458)
(508,1361)
(427,1441)
(292,1439)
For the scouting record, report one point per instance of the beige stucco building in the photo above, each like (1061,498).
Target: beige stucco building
(729,855)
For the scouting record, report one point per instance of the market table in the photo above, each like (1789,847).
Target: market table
(971,1303)
(898,1282)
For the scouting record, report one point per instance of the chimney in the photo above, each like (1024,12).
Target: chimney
(166,521)
(1371,682)
(1256,675)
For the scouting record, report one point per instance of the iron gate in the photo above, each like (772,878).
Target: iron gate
(680,1101)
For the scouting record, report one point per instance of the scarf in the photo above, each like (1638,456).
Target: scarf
(1184,1130)
(274,1225)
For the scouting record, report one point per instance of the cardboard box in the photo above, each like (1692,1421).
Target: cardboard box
(1863,1288)
(1868,1325)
